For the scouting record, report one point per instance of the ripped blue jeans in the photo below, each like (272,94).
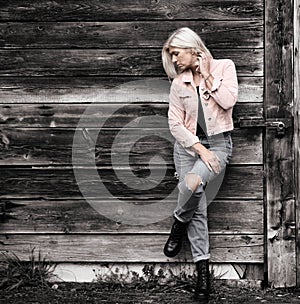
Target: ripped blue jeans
(192,206)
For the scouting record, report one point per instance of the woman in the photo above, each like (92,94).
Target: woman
(202,95)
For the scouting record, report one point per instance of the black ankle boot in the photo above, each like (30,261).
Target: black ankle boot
(174,243)
(203,280)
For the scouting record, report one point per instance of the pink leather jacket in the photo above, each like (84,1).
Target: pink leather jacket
(217,103)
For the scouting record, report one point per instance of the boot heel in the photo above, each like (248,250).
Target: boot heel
(202,290)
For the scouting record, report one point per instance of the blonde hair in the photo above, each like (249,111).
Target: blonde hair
(182,38)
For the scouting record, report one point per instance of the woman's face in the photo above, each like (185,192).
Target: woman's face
(183,58)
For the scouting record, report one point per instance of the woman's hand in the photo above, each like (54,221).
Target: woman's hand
(210,159)
(203,65)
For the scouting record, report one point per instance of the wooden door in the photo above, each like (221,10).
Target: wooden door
(297,125)
(279,147)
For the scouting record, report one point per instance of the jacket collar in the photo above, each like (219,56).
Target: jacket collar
(187,76)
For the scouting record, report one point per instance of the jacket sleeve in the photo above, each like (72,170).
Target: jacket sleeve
(225,88)
(176,118)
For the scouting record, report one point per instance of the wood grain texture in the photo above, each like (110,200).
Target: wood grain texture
(279,62)
(56,58)
(129,248)
(101,115)
(77,216)
(94,89)
(244,182)
(297,127)
(112,62)
(54,146)
(107,10)
(280,209)
(280,192)
(106,35)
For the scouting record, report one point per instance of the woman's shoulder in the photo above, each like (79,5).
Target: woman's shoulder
(221,63)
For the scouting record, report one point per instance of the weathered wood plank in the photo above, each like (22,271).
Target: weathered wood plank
(108,10)
(129,248)
(280,209)
(93,89)
(55,146)
(279,63)
(112,62)
(111,115)
(64,35)
(244,182)
(77,216)
(280,192)
(297,128)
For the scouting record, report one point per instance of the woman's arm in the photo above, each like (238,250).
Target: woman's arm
(210,159)
(176,119)
(224,90)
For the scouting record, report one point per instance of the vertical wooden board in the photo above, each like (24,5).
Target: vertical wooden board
(280,213)
(297,125)
(278,55)
(280,201)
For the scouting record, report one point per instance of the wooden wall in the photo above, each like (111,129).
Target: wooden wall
(59,56)
(296,92)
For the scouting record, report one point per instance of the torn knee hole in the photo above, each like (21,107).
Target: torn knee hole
(192,181)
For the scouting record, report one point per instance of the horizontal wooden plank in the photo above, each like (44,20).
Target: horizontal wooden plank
(136,145)
(103,89)
(110,115)
(244,182)
(108,10)
(111,62)
(78,216)
(64,35)
(129,248)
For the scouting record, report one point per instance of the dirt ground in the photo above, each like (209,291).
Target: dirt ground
(67,293)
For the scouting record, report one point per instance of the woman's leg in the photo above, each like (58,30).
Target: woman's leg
(197,231)
(192,183)
(192,206)
(183,163)
(197,228)
(194,175)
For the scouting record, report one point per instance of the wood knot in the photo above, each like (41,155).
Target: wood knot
(4,139)
(169,15)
